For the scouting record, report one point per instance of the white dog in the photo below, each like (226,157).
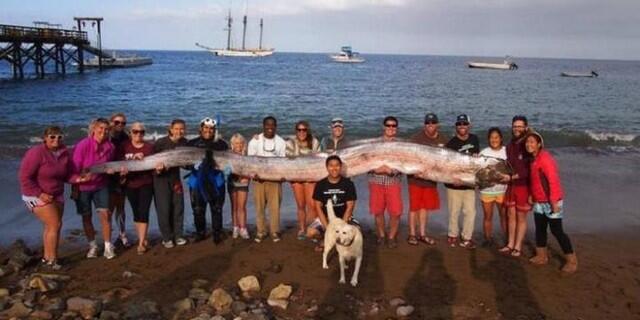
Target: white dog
(348,241)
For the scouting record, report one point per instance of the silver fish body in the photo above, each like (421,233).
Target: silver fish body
(426,162)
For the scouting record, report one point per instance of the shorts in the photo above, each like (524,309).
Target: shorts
(35,202)
(423,198)
(385,197)
(492,197)
(518,197)
(99,198)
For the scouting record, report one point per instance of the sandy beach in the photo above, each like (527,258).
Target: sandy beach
(440,282)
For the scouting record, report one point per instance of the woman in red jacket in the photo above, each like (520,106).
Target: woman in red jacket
(43,171)
(547,196)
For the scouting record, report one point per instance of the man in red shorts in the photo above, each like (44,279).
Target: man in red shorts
(385,191)
(423,194)
(517,195)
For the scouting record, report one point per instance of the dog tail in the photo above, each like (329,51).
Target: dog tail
(330,213)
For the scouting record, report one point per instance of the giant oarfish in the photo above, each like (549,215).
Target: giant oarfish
(426,162)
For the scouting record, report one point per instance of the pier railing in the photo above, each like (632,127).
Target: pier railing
(10,33)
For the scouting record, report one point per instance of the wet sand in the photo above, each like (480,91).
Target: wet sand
(441,282)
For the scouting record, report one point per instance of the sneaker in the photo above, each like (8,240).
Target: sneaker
(244,233)
(180,241)
(275,237)
(93,252)
(51,264)
(217,238)
(199,237)
(452,241)
(109,251)
(124,241)
(236,232)
(167,244)
(467,244)
(259,237)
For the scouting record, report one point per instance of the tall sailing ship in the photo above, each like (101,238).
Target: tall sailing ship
(243,51)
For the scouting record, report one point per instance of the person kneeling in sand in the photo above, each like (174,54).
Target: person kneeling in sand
(340,190)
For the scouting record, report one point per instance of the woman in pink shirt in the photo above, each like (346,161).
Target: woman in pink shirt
(43,171)
(94,189)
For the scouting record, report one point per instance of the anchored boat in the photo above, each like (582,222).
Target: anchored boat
(347,55)
(507,64)
(115,60)
(591,74)
(243,51)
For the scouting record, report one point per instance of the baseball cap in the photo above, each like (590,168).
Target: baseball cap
(337,122)
(430,118)
(208,122)
(463,118)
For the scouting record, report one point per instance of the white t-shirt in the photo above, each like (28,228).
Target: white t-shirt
(263,147)
(500,154)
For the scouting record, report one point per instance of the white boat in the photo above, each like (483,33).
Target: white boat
(346,55)
(118,61)
(591,74)
(507,64)
(243,51)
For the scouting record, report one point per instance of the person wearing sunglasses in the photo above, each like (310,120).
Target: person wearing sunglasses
(94,188)
(385,192)
(138,186)
(43,171)
(267,193)
(423,194)
(207,184)
(302,144)
(118,136)
(167,188)
(337,140)
(462,199)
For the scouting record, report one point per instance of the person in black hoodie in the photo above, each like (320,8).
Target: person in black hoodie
(207,184)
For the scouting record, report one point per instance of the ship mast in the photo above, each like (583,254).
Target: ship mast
(260,47)
(244,30)
(228,29)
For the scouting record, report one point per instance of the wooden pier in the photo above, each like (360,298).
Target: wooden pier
(20,45)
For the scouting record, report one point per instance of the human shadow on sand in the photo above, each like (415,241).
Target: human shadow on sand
(514,299)
(431,289)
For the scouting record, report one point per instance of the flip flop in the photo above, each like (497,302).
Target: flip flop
(427,240)
(412,240)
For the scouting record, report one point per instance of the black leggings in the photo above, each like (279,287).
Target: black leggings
(140,201)
(542,221)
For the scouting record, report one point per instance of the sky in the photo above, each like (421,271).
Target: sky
(599,29)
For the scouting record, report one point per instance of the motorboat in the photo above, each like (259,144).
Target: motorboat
(347,55)
(507,64)
(115,60)
(591,74)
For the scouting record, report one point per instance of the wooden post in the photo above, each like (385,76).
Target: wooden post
(99,47)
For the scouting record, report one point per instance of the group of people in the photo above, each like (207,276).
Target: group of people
(534,185)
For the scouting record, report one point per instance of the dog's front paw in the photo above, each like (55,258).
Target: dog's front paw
(354,282)
(342,281)
(325,266)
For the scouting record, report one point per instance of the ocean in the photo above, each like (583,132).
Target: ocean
(590,120)
(598,112)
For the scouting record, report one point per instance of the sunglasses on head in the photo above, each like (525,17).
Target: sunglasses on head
(458,124)
(391,125)
(302,129)
(138,132)
(118,122)
(55,137)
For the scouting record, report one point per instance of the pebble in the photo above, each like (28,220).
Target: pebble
(198,294)
(40,314)
(4,292)
(18,310)
(87,308)
(54,305)
(249,284)
(237,307)
(109,315)
(404,311)
(220,299)
(396,302)
(185,304)
(200,283)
